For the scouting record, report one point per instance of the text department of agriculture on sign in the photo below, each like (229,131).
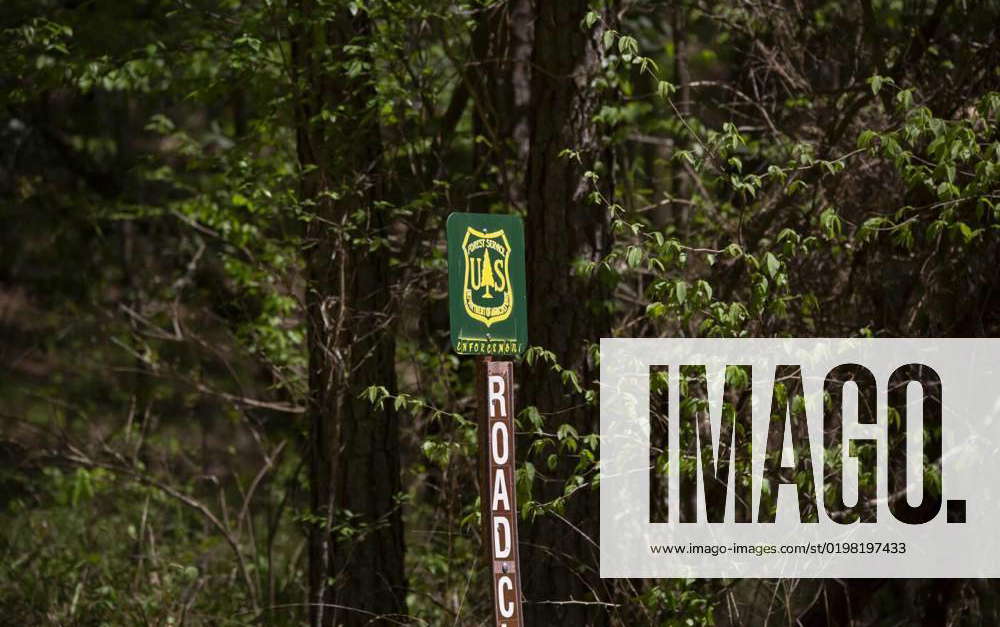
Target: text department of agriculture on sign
(800,458)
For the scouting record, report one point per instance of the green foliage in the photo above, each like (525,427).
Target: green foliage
(761,178)
(86,547)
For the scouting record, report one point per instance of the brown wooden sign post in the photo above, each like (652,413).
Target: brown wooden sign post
(489,316)
(495,382)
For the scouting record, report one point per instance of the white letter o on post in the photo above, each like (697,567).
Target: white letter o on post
(495,433)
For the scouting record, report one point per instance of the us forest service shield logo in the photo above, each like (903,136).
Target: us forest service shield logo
(486,292)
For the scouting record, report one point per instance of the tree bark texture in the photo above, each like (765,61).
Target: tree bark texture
(358,576)
(501,90)
(566,310)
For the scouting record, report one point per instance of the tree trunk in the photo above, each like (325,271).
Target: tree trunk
(501,90)
(354,445)
(566,310)
(683,78)
(843,603)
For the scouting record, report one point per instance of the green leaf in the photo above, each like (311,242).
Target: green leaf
(680,291)
(633,256)
(400,402)
(664,89)
(776,173)
(569,377)
(877,82)
(609,39)
(628,45)
(788,234)
(566,430)
(867,138)
(830,222)
(771,264)
(965,231)
(533,416)
(905,98)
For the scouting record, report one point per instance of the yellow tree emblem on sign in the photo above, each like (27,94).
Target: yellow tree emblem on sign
(486,280)
(484,273)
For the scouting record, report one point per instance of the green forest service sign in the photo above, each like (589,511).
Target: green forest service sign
(486,284)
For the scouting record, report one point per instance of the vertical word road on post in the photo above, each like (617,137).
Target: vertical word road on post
(499,506)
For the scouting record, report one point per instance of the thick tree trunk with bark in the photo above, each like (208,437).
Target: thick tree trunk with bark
(501,90)
(565,310)
(354,446)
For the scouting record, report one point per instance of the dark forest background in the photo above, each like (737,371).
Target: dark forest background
(227,393)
